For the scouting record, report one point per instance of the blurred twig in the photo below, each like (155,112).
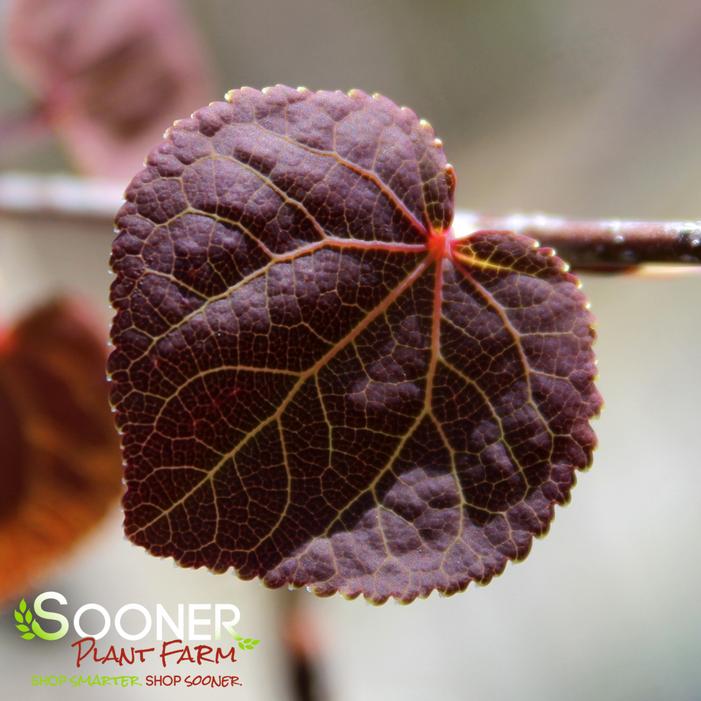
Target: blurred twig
(588,245)
(303,650)
(59,196)
(599,245)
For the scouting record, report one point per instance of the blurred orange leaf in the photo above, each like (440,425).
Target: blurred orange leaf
(59,457)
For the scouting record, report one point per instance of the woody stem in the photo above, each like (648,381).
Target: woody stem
(588,245)
(599,245)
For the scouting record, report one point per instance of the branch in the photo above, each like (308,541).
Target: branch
(61,197)
(602,246)
(598,245)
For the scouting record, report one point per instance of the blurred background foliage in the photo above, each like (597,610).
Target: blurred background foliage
(541,105)
(587,109)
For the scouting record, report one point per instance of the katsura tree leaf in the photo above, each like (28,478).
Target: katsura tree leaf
(110,75)
(317,382)
(60,462)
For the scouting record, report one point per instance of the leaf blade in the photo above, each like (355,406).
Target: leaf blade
(368,449)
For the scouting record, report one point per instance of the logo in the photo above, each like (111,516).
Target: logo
(195,622)
(176,629)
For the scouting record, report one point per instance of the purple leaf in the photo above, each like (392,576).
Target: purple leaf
(317,383)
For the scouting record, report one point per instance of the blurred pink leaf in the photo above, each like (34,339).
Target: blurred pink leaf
(111,75)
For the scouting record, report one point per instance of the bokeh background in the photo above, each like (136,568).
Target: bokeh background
(586,109)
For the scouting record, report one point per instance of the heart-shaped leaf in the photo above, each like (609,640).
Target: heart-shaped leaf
(59,454)
(318,383)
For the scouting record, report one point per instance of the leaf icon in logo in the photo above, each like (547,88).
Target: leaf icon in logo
(246,643)
(23,617)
